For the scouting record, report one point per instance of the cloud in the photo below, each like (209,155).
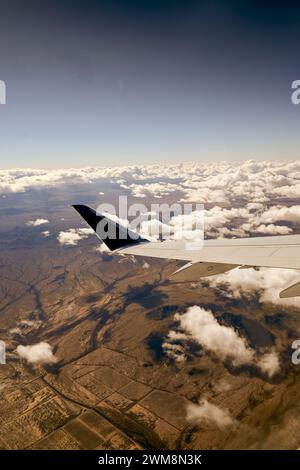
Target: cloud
(173,349)
(200,325)
(271,229)
(154,228)
(15,331)
(37,222)
(73,235)
(46,233)
(102,248)
(222,386)
(209,414)
(157,190)
(281,213)
(24,324)
(187,226)
(265,283)
(40,353)
(223,183)
(241,198)
(269,364)
(247,197)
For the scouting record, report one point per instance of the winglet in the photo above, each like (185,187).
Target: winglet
(113,234)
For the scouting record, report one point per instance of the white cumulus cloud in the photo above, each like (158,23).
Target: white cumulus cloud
(37,222)
(266,283)
(224,341)
(269,363)
(200,325)
(209,414)
(102,248)
(40,353)
(73,235)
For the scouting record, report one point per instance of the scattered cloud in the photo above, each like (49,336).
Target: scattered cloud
(222,386)
(24,324)
(265,283)
(241,199)
(269,364)
(46,233)
(209,414)
(200,325)
(37,222)
(102,248)
(15,331)
(73,235)
(35,354)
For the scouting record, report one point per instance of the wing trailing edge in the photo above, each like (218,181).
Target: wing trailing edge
(292,291)
(194,271)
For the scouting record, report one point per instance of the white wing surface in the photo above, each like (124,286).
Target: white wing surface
(213,257)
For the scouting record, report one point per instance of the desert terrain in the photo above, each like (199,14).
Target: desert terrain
(114,384)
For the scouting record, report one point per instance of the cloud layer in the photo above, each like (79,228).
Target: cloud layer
(213,183)
(241,199)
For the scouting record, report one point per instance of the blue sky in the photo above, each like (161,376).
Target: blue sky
(112,83)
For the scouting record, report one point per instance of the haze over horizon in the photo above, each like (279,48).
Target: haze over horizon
(120,83)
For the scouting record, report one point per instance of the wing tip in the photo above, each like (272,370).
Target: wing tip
(117,236)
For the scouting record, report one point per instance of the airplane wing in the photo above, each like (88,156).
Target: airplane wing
(214,257)
(273,252)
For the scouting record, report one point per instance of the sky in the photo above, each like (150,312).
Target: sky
(134,82)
